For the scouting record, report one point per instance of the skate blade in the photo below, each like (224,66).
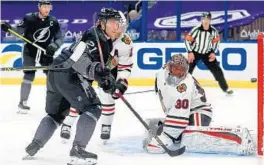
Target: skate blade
(104,142)
(27,157)
(229,94)
(78,161)
(64,141)
(22,111)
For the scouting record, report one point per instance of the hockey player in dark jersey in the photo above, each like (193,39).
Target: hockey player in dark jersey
(44,30)
(120,64)
(72,87)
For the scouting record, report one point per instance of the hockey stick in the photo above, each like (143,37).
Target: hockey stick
(98,41)
(63,66)
(146,91)
(25,39)
(172,153)
(161,101)
(32,68)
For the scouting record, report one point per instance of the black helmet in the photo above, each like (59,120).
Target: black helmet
(207,15)
(108,13)
(44,2)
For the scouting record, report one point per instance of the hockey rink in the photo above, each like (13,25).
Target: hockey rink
(125,146)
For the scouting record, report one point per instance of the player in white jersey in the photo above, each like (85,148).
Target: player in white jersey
(120,64)
(188,116)
(122,60)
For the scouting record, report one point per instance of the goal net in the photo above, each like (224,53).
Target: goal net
(260,92)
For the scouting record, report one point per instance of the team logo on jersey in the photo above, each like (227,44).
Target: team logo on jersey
(181,88)
(42,35)
(112,60)
(126,40)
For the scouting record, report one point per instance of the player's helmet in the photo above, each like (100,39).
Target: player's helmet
(109,13)
(44,2)
(207,15)
(178,68)
(123,20)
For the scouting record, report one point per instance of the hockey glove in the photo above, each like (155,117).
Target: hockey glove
(107,83)
(51,49)
(102,72)
(5,26)
(121,87)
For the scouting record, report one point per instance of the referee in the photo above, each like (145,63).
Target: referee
(202,43)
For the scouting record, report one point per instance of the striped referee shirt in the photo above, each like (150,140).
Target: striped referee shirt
(202,41)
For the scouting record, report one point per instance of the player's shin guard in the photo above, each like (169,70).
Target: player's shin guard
(85,128)
(44,132)
(23,108)
(218,140)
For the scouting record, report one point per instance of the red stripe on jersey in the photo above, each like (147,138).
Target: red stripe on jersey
(108,109)
(223,135)
(197,119)
(73,110)
(154,146)
(124,66)
(208,110)
(177,122)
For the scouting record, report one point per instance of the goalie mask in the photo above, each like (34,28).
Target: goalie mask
(177,69)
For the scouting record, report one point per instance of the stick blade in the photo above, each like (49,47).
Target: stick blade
(177,152)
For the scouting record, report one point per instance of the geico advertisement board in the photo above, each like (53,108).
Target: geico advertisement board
(238,60)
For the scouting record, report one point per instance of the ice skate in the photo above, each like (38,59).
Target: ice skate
(23,108)
(65,133)
(105,133)
(81,157)
(229,92)
(31,150)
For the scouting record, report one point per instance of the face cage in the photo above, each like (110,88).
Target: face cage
(184,67)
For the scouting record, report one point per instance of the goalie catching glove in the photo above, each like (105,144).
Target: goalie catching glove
(121,87)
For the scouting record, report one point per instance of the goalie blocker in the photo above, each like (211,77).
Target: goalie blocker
(209,140)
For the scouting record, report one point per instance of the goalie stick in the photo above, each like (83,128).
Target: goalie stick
(172,153)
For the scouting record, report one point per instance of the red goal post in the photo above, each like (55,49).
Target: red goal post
(260,92)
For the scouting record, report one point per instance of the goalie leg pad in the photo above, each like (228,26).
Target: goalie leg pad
(218,140)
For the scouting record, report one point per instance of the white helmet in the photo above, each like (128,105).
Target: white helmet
(123,20)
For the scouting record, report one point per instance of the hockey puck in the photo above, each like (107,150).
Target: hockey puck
(253,80)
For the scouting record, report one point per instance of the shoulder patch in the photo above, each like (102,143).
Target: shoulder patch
(181,88)
(126,39)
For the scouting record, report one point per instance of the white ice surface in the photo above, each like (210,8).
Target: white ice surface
(124,148)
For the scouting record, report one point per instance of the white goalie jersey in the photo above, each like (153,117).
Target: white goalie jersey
(183,100)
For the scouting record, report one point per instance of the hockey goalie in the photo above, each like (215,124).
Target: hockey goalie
(188,117)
